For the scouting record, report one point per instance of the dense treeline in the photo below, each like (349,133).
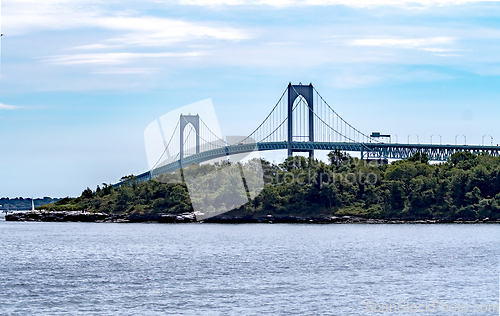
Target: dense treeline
(466,186)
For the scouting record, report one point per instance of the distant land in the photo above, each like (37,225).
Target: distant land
(20,203)
(464,188)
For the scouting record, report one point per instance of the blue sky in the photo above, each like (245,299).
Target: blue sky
(81,80)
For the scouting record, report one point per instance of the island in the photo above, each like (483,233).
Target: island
(465,188)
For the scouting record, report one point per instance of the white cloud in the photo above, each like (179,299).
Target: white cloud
(449,55)
(93,46)
(111,42)
(436,50)
(423,44)
(9,107)
(126,71)
(403,43)
(151,31)
(23,16)
(111,58)
(28,16)
(352,3)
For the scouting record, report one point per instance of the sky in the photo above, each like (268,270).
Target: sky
(81,80)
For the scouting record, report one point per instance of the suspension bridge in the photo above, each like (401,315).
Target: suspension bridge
(301,121)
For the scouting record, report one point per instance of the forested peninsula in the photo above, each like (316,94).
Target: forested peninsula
(464,188)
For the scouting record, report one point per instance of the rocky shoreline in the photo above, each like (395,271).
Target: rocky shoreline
(82,216)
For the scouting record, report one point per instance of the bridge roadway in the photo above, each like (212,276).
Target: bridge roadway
(368,151)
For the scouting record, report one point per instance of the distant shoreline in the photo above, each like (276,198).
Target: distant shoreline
(82,216)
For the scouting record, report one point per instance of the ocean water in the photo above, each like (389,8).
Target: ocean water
(250,269)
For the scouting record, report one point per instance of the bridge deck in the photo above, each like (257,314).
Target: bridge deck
(368,150)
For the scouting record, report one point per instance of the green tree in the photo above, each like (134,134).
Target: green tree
(419,157)
(87,193)
(337,157)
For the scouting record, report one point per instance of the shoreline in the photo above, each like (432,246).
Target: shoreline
(82,216)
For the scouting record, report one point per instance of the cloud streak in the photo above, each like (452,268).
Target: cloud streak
(152,31)
(134,42)
(126,71)
(144,30)
(113,58)
(351,3)
(415,43)
(10,107)
(423,44)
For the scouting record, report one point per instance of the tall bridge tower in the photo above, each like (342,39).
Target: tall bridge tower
(307,92)
(185,120)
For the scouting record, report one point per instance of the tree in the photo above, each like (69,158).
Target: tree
(337,157)
(419,157)
(129,177)
(106,188)
(87,193)
(464,160)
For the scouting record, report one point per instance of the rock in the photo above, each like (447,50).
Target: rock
(45,216)
(186,217)
(190,217)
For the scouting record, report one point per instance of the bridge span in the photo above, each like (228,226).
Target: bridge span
(367,151)
(301,121)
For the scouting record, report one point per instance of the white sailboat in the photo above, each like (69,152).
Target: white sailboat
(32,205)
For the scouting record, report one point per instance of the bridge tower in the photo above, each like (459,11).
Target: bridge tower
(307,92)
(185,120)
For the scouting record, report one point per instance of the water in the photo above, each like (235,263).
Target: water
(254,269)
